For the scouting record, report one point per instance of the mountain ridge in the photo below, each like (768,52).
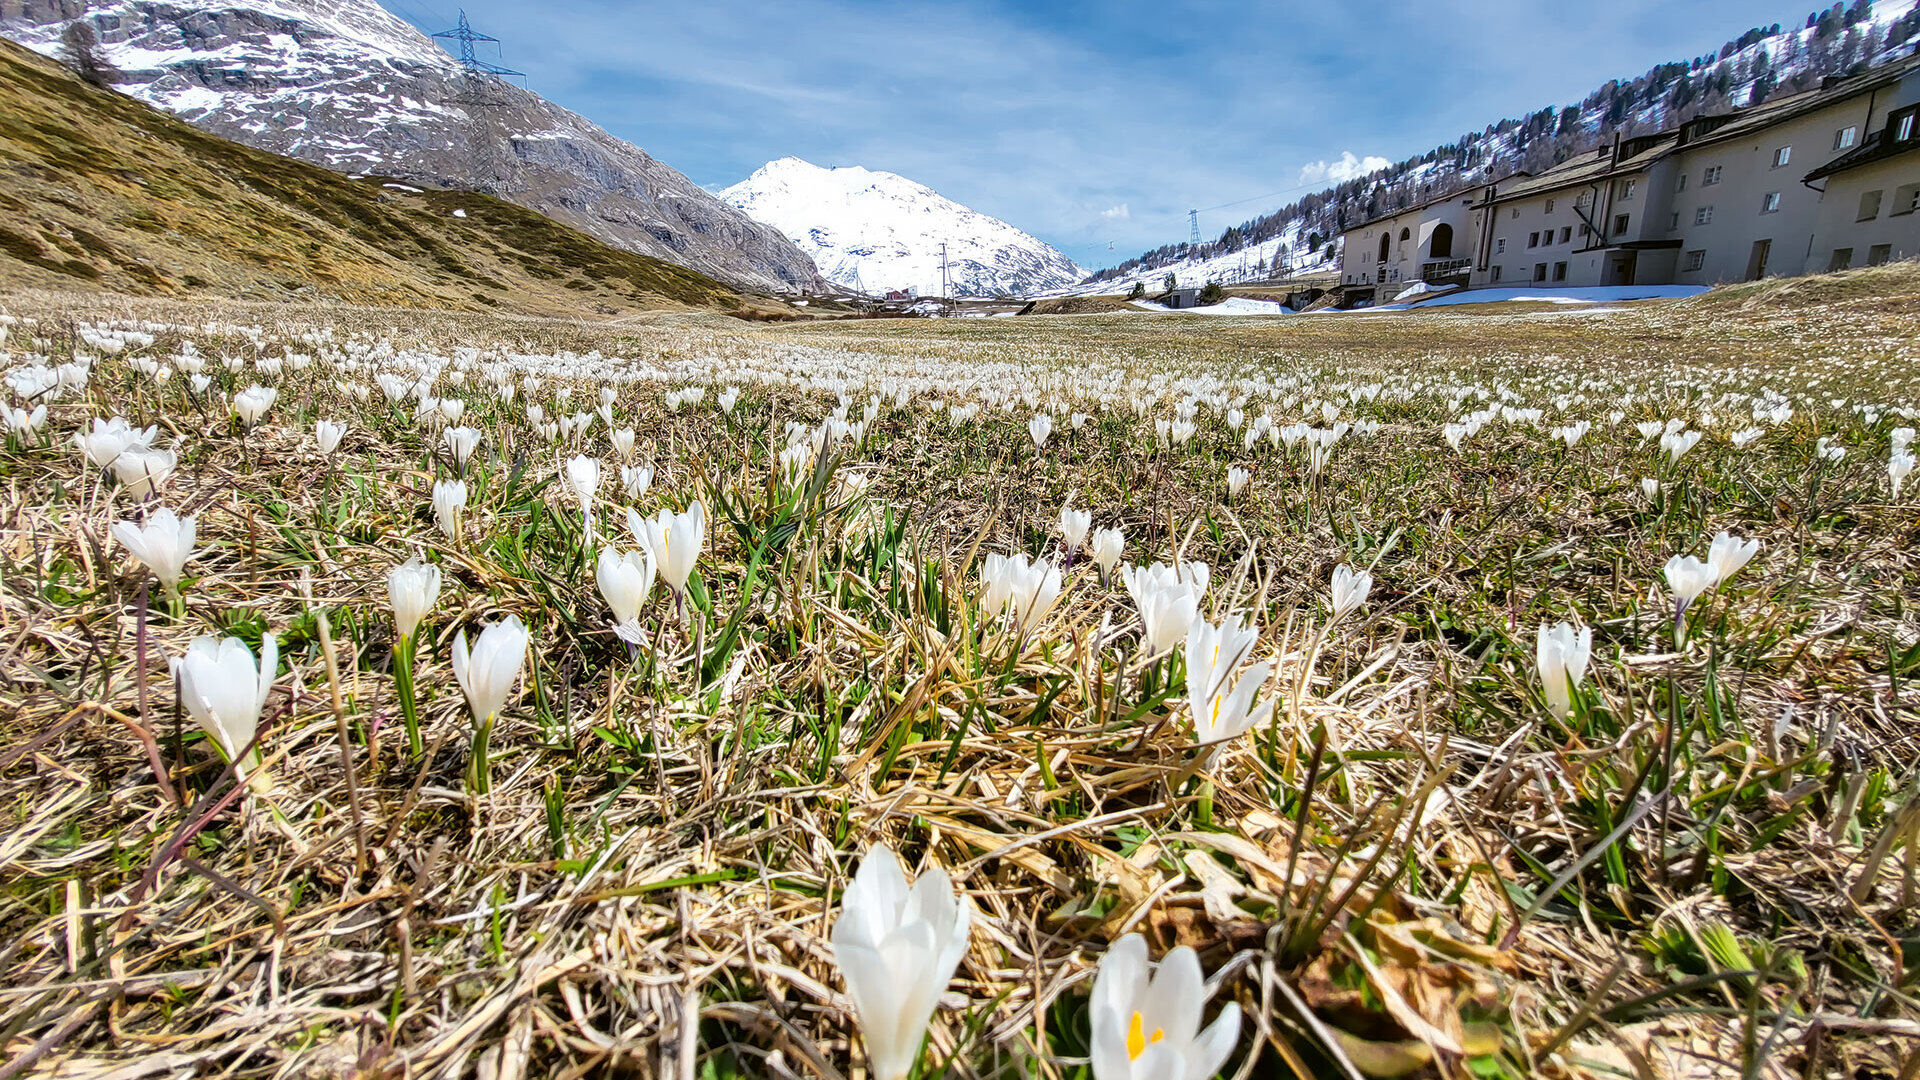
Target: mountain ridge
(350,86)
(104,191)
(874,231)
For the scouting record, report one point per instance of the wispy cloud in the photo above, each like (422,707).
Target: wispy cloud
(1119,212)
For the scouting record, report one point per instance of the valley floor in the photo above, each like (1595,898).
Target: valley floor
(1693,853)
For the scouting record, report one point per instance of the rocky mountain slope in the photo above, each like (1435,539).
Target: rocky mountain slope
(99,190)
(878,231)
(348,85)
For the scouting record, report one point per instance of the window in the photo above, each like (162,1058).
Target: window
(1623,189)
(1869,205)
(1842,258)
(1539,271)
(1681,183)
(1781,156)
(1703,215)
(1559,271)
(1585,232)
(1711,177)
(1845,137)
(1496,273)
(1566,233)
(1516,213)
(1770,203)
(1673,221)
(1549,206)
(1500,247)
(1903,129)
(1696,259)
(1907,199)
(1533,239)
(1620,224)
(1879,254)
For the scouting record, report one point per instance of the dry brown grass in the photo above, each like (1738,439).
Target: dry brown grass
(648,885)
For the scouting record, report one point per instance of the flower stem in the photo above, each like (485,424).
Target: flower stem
(403,686)
(479,776)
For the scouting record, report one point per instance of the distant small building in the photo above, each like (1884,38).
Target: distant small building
(1183,298)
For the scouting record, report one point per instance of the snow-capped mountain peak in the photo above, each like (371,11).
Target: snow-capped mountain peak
(878,231)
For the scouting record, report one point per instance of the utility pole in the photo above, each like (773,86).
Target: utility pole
(1193,227)
(478,91)
(946,284)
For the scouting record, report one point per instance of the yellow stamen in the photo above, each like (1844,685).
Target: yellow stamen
(1137,1038)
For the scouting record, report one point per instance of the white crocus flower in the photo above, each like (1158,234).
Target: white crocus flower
(1146,1024)
(1106,546)
(489,671)
(449,502)
(1649,487)
(224,691)
(1677,443)
(727,399)
(1727,554)
(1350,588)
(583,479)
(1025,590)
(622,440)
(413,588)
(251,404)
(897,947)
(673,541)
(1237,478)
(1074,525)
(488,674)
(1898,466)
(1561,653)
(625,578)
(108,439)
(635,479)
(1040,427)
(1223,707)
(1167,604)
(327,434)
(142,472)
(164,544)
(461,443)
(1688,577)
(24,423)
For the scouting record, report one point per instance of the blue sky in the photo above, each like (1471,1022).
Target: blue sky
(1086,124)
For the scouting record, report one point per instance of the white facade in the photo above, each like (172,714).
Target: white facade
(1823,180)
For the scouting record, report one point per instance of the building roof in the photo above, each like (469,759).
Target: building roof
(1589,167)
(1596,165)
(1466,192)
(1704,130)
(1875,147)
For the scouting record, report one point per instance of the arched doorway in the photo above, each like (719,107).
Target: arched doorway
(1441,246)
(1386,240)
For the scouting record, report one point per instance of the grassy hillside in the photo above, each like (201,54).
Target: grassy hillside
(99,190)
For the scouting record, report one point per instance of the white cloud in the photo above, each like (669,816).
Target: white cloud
(1119,212)
(1336,172)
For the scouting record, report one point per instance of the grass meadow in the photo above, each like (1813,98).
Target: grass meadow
(1429,841)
